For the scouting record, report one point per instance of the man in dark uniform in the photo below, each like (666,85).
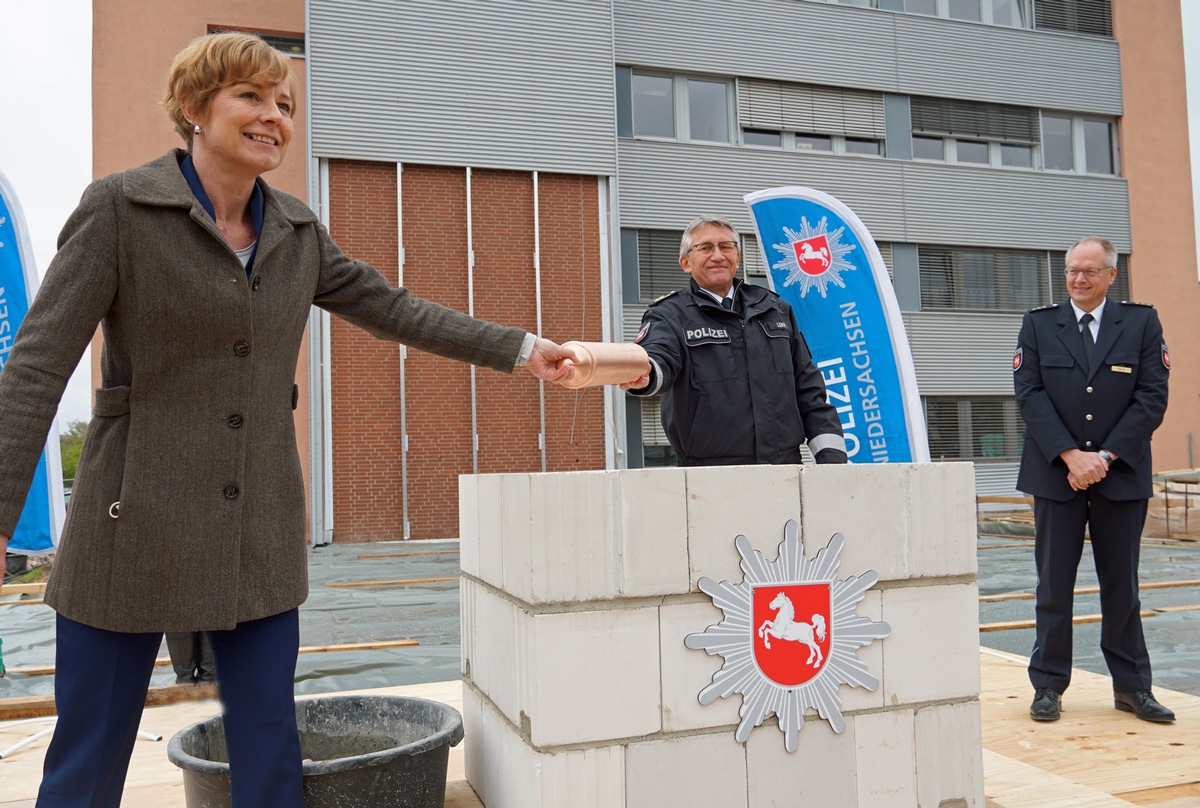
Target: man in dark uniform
(1091,380)
(737,381)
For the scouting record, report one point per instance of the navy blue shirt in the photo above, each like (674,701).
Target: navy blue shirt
(256,204)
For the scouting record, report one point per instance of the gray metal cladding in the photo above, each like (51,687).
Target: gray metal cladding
(665,184)
(996,480)
(962,353)
(874,49)
(524,84)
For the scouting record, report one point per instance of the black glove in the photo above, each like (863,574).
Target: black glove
(831,456)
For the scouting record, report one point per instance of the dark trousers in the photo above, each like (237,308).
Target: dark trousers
(100,686)
(1115,528)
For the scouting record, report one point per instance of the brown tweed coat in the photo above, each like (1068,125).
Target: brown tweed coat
(192,429)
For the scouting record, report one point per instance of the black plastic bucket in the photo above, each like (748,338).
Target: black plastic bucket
(370,751)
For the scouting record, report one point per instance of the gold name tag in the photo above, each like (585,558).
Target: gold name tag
(1121,369)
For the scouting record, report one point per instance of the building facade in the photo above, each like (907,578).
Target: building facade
(535,163)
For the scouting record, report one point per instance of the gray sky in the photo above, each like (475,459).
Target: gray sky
(45,139)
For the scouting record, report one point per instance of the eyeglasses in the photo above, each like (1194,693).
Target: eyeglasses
(727,247)
(1090,274)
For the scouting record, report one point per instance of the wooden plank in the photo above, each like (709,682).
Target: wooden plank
(1191,608)
(1003,546)
(1167,796)
(1005,500)
(1013,624)
(1015,784)
(408,555)
(393,583)
(37,706)
(1092,590)
(22,589)
(304,649)
(30,602)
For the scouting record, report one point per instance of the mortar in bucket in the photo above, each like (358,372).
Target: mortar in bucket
(376,751)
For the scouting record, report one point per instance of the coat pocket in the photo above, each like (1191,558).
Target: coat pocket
(111,402)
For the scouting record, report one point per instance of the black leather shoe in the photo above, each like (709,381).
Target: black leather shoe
(1046,705)
(1142,704)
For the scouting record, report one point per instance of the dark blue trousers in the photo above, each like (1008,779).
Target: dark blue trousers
(100,686)
(1115,528)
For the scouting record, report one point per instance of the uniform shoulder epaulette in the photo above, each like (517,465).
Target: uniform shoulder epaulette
(1047,307)
(661,298)
(1135,303)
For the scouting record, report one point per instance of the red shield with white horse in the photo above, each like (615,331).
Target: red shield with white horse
(812,254)
(792,625)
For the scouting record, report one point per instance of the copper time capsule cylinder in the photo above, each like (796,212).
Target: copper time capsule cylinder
(598,363)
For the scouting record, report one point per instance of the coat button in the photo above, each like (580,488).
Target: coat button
(234,420)
(241,348)
(1088,416)
(256,282)
(232,491)
(1088,444)
(1089,389)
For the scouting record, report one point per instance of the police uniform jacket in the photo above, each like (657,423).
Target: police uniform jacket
(192,431)
(1117,406)
(736,389)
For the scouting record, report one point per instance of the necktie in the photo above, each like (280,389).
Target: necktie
(727,303)
(1089,343)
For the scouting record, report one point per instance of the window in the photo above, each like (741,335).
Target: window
(1097,147)
(653,106)
(973,132)
(762,137)
(809,117)
(972,151)
(982,278)
(981,428)
(656,449)
(1058,143)
(964,10)
(1075,143)
(680,108)
(1076,16)
(996,12)
(708,111)
(288,44)
(658,264)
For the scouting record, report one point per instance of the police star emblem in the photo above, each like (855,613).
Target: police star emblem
(813,256)
(790,636)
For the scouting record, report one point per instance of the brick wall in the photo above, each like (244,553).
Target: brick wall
(365,384)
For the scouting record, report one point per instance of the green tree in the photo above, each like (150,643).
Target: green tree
(71,441)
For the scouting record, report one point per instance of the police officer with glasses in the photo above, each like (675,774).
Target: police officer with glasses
(1090,376)
(737,380)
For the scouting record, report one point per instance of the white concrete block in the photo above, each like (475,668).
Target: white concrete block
(491,540)
(515,526)
(949,749)
(651,535)
(942,529)
(885,759)
(724,502)
(587,778)
(701,770)
(505,771)
(593,676)
(821,772)
(933,651)
(490,645)
(468,523)
(867,504)
(859,698)
(499,765)
(572,554)
(685,672)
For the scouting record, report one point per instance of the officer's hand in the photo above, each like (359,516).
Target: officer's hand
(636,384)
(1076,483)
(550,361)
(1087,467)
